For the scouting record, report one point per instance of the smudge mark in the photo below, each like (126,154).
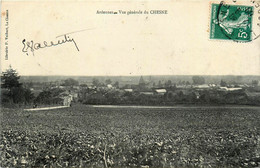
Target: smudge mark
(3,14)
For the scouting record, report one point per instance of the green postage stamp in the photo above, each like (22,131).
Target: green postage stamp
(231,22)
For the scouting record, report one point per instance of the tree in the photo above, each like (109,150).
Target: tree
(168,83)
(28,85)
(223,83)
(239,79)
(10,79)
(22,95)
(70,82)
(44,97)
(116,84)
(198,80)
(95,82)
(49,96)
(28,96)
(255,82)
(108,81)
(160,83)
(16,93)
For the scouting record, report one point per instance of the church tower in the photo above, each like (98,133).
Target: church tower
(142,82)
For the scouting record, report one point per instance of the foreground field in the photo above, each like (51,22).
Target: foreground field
(83,136)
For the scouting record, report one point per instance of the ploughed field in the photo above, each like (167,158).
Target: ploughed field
(82,136)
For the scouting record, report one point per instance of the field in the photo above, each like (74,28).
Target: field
(83,136)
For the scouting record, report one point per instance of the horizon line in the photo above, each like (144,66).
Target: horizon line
(134,75)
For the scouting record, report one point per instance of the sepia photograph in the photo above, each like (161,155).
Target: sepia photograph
(124,84)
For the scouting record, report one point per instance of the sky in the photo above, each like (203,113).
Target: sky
(176,43)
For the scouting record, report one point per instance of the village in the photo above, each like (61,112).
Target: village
(145,92)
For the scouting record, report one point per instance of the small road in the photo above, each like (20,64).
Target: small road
(45,108)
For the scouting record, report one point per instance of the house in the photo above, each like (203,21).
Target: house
(61,87)
(128,90)
(109,86)
(67,97)
(76,87)
(230,89)
(233,89)
(212,85)
(160,91)
(181,86)
(75,95)
(67,100)
(147,93)
(204,86)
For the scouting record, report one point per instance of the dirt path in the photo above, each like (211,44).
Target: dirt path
(171,107)
(45,108)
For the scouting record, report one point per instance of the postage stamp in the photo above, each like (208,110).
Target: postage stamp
(231,22)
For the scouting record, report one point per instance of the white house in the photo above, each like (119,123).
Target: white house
(67,100)
(146,93)
(128,90)
(230,89)
(204,86)
(160,91)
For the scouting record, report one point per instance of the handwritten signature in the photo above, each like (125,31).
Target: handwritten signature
(61,39)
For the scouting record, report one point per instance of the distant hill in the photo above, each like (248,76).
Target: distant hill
(135,79)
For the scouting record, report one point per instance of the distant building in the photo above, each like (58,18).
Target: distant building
(212,85)
(233,89)
(75,95)
(76,87)
(160,91)
(67,100)
(141,83)
(145,83)
(204,86)
(147,93)
(109,86)
(128,90)
(230,89)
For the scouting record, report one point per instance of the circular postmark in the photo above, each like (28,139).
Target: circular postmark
(235,22)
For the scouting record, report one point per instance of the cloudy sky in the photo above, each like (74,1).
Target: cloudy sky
(173,44)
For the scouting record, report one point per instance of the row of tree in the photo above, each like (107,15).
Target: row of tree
(170,98)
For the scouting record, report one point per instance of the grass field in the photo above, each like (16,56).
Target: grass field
(82,136)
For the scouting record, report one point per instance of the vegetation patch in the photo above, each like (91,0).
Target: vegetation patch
(83,136)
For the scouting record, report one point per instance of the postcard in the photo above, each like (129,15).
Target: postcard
(130,83)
